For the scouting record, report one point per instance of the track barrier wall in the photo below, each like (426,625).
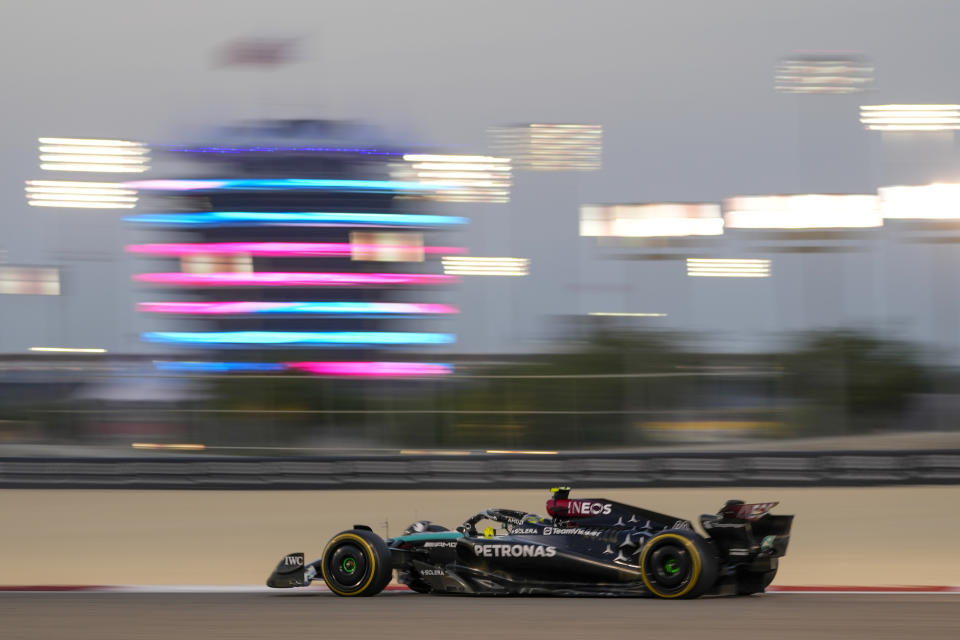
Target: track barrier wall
(477,471)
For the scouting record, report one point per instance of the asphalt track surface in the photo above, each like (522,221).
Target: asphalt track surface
(322,615)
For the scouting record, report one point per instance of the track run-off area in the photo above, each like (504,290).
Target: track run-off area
(870,536)
(314,613)
(866,537)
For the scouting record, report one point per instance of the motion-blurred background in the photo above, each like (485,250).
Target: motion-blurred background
(428,257)
(298,228)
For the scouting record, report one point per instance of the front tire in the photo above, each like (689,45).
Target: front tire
(678,564)
(356,563)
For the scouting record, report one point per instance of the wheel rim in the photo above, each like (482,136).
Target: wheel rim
(668,567)
(349,566)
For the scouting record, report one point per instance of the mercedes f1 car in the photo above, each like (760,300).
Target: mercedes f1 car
(589,546)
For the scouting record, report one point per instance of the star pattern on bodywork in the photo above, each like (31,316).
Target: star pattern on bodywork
(629,547)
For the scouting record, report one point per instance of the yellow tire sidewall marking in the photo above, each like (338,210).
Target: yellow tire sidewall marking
(694,555)
(370,554)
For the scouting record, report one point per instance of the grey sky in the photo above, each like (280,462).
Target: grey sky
(683,87)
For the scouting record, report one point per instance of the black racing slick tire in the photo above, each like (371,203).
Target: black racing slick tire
(678,563)
(356,563)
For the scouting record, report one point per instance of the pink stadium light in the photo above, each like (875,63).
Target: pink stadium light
(249,308)
(267,278)
(280,249)
(372,369)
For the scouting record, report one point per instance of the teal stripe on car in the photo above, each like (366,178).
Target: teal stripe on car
(436,535)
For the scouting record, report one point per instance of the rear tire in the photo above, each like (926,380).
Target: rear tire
(678,564)
(356,563)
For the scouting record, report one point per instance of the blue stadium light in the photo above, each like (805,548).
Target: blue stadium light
(297,338)
(315,218)
(217,367)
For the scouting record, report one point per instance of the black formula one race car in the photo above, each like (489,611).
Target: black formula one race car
(588,546)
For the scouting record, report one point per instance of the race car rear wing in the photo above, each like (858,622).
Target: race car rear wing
(744,532)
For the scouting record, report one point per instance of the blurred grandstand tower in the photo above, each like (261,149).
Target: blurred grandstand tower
(291,248)
(827,87)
